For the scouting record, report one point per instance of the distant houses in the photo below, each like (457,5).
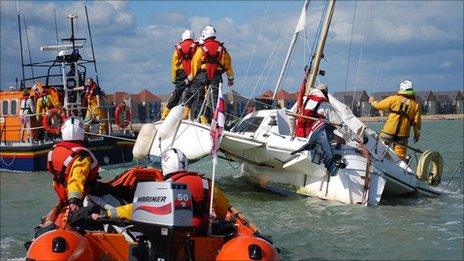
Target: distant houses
(146,106)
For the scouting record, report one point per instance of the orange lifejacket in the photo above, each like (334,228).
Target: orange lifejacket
(212,51)
(132,176)
(185,51)
(303,125)
(199,188)
(59,162)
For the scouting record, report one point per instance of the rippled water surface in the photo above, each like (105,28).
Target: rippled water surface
(400,228)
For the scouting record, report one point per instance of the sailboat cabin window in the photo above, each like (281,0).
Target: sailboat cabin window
(14,107)
(249,125)
(5,108)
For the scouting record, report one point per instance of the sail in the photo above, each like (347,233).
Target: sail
(350,120)
(302,20)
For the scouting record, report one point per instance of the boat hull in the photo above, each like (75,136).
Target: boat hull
(30,158)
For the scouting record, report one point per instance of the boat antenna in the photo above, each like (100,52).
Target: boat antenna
(91,44)
(20,42)
(300,26)
(28,46)
(56,26)
(314,68)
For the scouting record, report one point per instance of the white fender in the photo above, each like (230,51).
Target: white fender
(144,140)
(169,124)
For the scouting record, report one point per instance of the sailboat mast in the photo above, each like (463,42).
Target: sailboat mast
(299,27)
(314,70)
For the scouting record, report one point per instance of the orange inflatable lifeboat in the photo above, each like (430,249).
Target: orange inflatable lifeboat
(149,237)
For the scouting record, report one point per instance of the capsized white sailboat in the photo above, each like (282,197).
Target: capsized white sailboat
(263,143)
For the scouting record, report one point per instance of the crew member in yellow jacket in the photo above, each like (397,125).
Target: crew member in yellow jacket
(94,112)
(180,68)
(209,62)
(73,166)
(174,165)
(404,113)
(45,101)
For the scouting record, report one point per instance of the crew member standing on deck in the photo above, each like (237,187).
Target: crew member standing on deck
(26,113)
(404,114)
(210,61)
(94,112)
(180,68)
(73,166)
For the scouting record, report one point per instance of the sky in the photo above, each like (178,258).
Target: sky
(134,40)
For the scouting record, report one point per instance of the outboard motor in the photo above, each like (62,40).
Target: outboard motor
(163,213)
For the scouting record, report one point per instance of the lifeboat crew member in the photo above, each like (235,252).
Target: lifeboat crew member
(73,166)
(45,101)
(316,104)
(210,61)
(174,165)
(26,112)
(180,68)
(404,114)
(93,95)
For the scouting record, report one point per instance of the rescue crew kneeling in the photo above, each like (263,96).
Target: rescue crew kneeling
(174,165)
(73,166)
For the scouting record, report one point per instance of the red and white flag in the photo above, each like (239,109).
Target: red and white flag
(217,123)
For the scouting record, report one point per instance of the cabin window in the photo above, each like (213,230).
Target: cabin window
(14,107)
(249,125)
(4,107)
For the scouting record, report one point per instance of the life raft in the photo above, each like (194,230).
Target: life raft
(430,167)
(122,109)
(53,120)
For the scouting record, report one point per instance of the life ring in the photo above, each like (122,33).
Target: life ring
(53,120)
(117,115)
(428,172)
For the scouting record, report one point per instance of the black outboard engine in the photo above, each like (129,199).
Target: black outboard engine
(163,213)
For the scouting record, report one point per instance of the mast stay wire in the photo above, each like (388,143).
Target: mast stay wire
(351,41)
(254,47)
(358,67)
(379,64)
(277,43)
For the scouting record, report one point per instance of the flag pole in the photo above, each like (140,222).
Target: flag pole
(217,124)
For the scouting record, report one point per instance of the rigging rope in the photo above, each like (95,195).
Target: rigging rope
(360,57)
(351,41)
(254,47)
(264,69)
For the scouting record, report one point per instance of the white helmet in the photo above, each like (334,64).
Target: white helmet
(72,129)
(173,160)
(406,87)
(207,32)
(187,34)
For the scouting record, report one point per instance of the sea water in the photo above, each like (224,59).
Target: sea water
(302,227)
